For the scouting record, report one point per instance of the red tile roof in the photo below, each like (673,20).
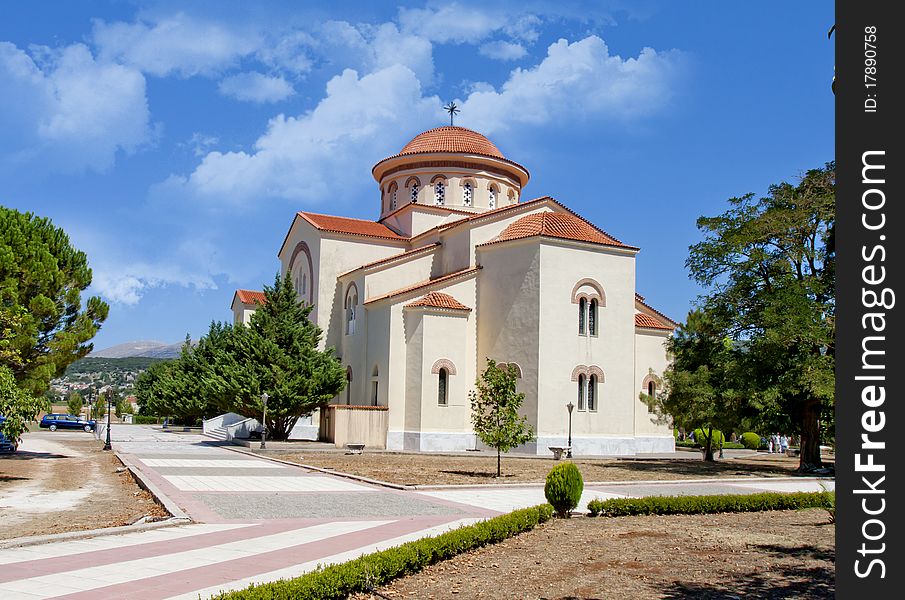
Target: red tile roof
(451,139)
(251,297)
(557,225)
(643,320)
(351,226)
(424,284)
(438,300)
(640,300)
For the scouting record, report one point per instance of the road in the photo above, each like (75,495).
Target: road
(256,520)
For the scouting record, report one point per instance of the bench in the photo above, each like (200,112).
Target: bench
(558,451)
(793,452)
(355,448)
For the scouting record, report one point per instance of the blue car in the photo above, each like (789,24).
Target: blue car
(6,444)
(54,422)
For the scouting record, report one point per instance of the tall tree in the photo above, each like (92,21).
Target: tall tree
(705,385)
(770,265)
(18,406)
(277,354)
(494,411)
(45,327)
(74,403)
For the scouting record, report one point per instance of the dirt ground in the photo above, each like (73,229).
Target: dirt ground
(64,481)
(788,554)
(421,469)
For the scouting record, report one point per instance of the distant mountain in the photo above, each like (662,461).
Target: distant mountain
(144,349)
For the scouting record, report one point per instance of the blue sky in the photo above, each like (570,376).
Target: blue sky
(174,141)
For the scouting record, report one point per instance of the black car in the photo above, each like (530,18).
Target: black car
(54,422)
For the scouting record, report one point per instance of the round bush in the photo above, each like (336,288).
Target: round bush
(751,440)
(563,488)
(718,438)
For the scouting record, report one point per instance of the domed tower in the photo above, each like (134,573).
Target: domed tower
(449,167)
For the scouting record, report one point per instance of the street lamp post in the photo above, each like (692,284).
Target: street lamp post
(570,407)
(264,398)
(107,445)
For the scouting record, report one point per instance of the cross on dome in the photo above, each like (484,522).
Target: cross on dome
(453,110)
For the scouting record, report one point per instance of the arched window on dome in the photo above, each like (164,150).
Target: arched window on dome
(440,192)
(393,192)
(511,196)
(467,193)
(413,185)
(493,192)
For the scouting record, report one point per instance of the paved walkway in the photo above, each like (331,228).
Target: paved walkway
(258,521)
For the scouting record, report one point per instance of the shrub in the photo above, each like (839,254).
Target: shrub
(372,570)
(563,488)
(146,420)
(696,505)
(718,438)
(751,440)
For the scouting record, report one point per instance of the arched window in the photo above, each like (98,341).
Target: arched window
(467,194)
(442,384)
(351,309)
(582,382)
(511,196)
(582,309)
(592,392)
(491,201)
(651,389)
(394,189)
(592,318)
(439,192)
(348,385)
(413,186)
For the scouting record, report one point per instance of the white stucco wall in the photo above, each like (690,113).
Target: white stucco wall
(650,354)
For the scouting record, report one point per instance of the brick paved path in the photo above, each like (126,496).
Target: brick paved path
(257,521)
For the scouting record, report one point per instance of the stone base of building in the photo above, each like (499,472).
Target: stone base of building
(603,445)
(430,441)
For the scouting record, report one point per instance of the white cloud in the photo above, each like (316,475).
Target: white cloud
(318,155)
(127,283)
(256,87)
(502,50)
(578,80)
(68,110)
(450,23)
(178,44)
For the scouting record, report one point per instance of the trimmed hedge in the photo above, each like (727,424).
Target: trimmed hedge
(698,505)
(563,488)
(335,582)
(751,440)
(146,420)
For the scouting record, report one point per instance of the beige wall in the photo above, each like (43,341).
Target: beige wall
(650,354)
(562,348)
(508,302)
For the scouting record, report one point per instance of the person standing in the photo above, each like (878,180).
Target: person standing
(770,445)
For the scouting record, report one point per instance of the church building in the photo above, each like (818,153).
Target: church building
(459,268)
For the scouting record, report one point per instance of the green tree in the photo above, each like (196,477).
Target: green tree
(99,410)
(18,406)
(494,411)
(45,327)
(278,354)
(74,403)
(769,264)
(704,386)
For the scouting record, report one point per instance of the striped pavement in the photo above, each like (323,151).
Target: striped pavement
(256,521)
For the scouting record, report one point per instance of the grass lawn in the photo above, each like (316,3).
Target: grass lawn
(783,554)
(432,469)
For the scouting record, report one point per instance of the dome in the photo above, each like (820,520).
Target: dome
(451,139)
(556,225)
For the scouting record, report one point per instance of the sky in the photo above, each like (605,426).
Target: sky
(174,141)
